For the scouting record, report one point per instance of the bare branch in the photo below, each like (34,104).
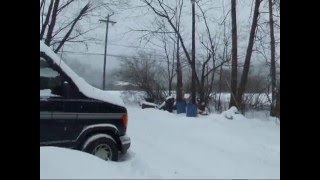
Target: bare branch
(42,14)
(64,5)
(46,22)
(225,17)
(52,23)
(154,10)
(173,27)
(61,29)
(153,31)
(42,4)
(216,67)
(81,34)
(82,13)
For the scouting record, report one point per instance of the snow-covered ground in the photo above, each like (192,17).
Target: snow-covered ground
(167,145)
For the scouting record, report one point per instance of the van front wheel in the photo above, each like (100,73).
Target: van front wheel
(103,147)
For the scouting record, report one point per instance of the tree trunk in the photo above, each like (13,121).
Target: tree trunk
(201,89)
(193,65)
(52,23)
(246,67)
(234,69)
(179,75)
(202,97)
(46,22)
(41,5)
(168,67)
(170,86)
(201,86)
(179,86)
(273,62)
(220,89)
(277,108)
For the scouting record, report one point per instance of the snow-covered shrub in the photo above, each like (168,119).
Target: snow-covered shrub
(132,97)
(229,114)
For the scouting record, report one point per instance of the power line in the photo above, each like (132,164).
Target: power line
(137,47)
(112,55)
(160,59)
(121,45)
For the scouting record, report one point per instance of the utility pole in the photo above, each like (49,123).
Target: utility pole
(105,48)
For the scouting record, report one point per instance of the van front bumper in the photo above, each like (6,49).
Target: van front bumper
(125,143)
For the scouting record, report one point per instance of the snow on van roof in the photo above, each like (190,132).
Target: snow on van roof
(83,86)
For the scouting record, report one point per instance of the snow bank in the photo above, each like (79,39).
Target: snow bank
(60,163)
(83,86)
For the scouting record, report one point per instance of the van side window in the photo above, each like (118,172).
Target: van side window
(51,81)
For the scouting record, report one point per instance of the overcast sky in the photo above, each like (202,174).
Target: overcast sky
(123,42)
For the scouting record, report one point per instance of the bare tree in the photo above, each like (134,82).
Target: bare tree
(52,22)
(46,22)
(42,2)
(170,56)
(273,61)
(145,72)
(58,26)
(277,108)
(179,86)
(234,72)
(173,16)
(246,67)
(82,13)
(193,56)
(226,56)
(201,81)
(208,73)
(166,12)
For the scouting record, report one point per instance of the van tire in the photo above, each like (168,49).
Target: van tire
(104,148)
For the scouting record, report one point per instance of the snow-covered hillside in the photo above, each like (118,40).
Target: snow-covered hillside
(166,145)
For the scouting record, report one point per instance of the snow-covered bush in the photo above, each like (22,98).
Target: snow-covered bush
(229,114)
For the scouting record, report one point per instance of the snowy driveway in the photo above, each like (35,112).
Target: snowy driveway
(174,146)
(165,145)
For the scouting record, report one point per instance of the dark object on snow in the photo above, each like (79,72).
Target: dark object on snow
(191,110)
(203,109)
(168,104)
(148,105)
(204,112)
(181,107)
(151,100)
(202,106)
